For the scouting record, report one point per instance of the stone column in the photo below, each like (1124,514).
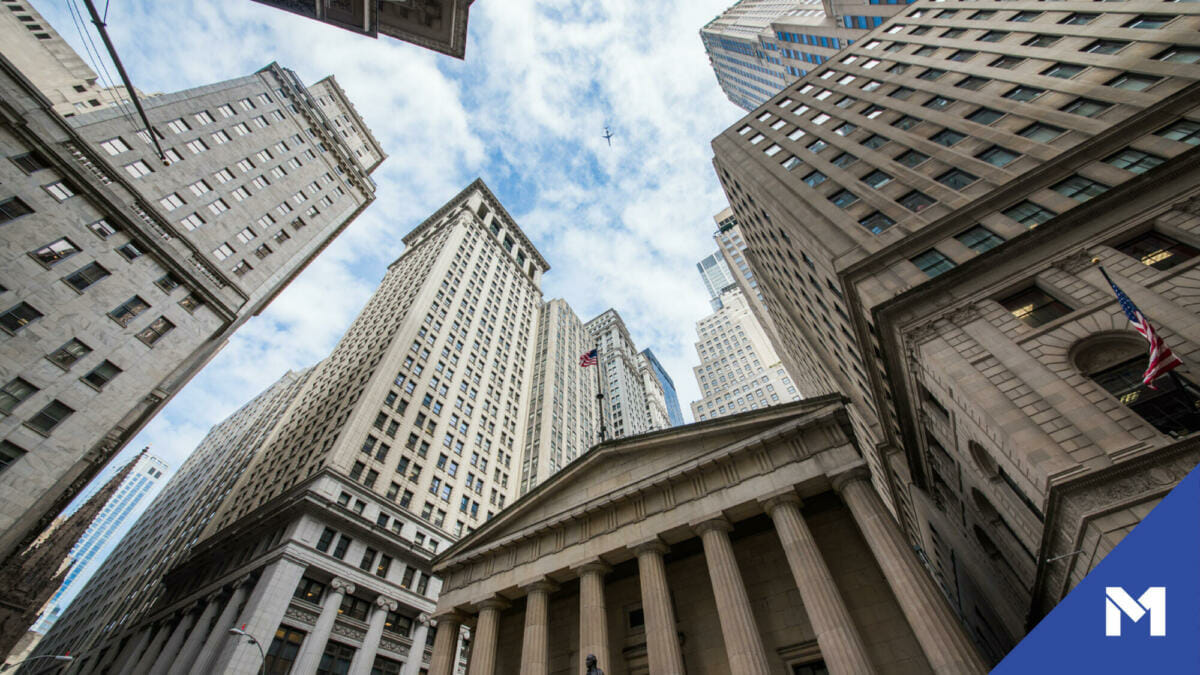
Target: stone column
(938,630)
(662,642)
(364,657)
(535,647)
(136,644)
(167,656)
(593,615)
(314,643)
(743,643)
(416,653)
(264,610)
(160,637)
(445,644)
(841,646)
(215,639)
(195,639)
(483,644)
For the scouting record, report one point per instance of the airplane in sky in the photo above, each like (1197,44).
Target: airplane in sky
(608,136)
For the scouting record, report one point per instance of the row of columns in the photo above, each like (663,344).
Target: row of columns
(938,631)
(198,645)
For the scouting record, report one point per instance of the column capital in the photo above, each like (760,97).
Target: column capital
(340,585)
(652,545)
(772,502)
(497,603)
(244,580)
(841,480)
(450,616)
(385,603)
(716,523)
(596,566)
(544,585)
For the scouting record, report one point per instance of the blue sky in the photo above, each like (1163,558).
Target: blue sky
(621,227)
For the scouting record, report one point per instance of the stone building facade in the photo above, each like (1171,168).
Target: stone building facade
(129,582)
(123,276)
(634,402)
(751,544)
(739,369)
(983,141)
(563,420)
(32,45)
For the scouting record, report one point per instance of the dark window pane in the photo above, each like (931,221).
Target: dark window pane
(980,239)
(957,178)
(1034,306)
(1157,250)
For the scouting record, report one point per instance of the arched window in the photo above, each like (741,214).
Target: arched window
(1117,362)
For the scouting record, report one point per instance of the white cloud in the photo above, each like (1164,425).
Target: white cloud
(622,226)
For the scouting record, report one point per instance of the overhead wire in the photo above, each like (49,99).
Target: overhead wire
(101,69)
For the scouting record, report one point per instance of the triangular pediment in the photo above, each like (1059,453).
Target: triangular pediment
(614,467)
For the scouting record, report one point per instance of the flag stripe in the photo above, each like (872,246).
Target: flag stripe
(1162,360)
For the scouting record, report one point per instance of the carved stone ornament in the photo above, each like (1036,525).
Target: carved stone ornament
(385,603)
(392,646)
(348,632)
(340,585)
(964,315)
(301,615)
(922,332)
(1075,262)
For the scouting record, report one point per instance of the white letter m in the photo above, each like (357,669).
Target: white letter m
(1152,602)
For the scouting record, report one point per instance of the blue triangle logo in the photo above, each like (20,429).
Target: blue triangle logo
(1138,611)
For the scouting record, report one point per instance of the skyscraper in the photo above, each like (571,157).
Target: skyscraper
(440,25)
(634,402)
(674,413)
(716,276)
(33,47)
(922,213)
(398,442)
(129,583)
(124,276)
(739,369)
(144,475)
(563,416)
(756,47)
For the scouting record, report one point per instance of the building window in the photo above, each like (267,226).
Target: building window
(354,607)
(1134,161)
(1007,62)
(13,208)
(998,156)
(13,393)
(1118,368)
(843,198)
(65,356)
(9,452)
(336,659)
(86,276)
(877,179)
(972,82)
(35,161)
(1148,21)
(912,158)
(18,316)
(138,169)
(1080,188)
(1063,70)
(50,417)
(957,179)
(55,251)
(129,251)
(933,263)
(154,332)
(916,201)
(1179,54)
(1042,133)
(985,116)
(326,539)
(815,178)
(114,146)
(284,648)
(1086,107)
(102,228)
(1029,214)
(980,239)
(1157,250)
(101,374)
(385,666)
(1184,131)
(1034,307)
(339,551)
(127,311)
(876,222)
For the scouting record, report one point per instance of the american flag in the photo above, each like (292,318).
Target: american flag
(1162,360)
(588,359)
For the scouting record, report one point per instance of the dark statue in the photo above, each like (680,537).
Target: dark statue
(592,668)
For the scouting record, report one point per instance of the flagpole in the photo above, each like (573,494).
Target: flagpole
(599,392)
(1129,311)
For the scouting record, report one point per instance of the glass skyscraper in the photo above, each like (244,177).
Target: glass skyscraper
(674,413)
(148,471)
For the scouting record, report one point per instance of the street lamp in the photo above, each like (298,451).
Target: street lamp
(242,631)
(56,657)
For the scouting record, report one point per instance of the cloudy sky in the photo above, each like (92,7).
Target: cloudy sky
(621,227)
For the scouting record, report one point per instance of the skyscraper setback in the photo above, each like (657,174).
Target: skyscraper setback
(124,276)
(922,214)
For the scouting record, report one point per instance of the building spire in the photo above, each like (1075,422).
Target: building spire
(30,577)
